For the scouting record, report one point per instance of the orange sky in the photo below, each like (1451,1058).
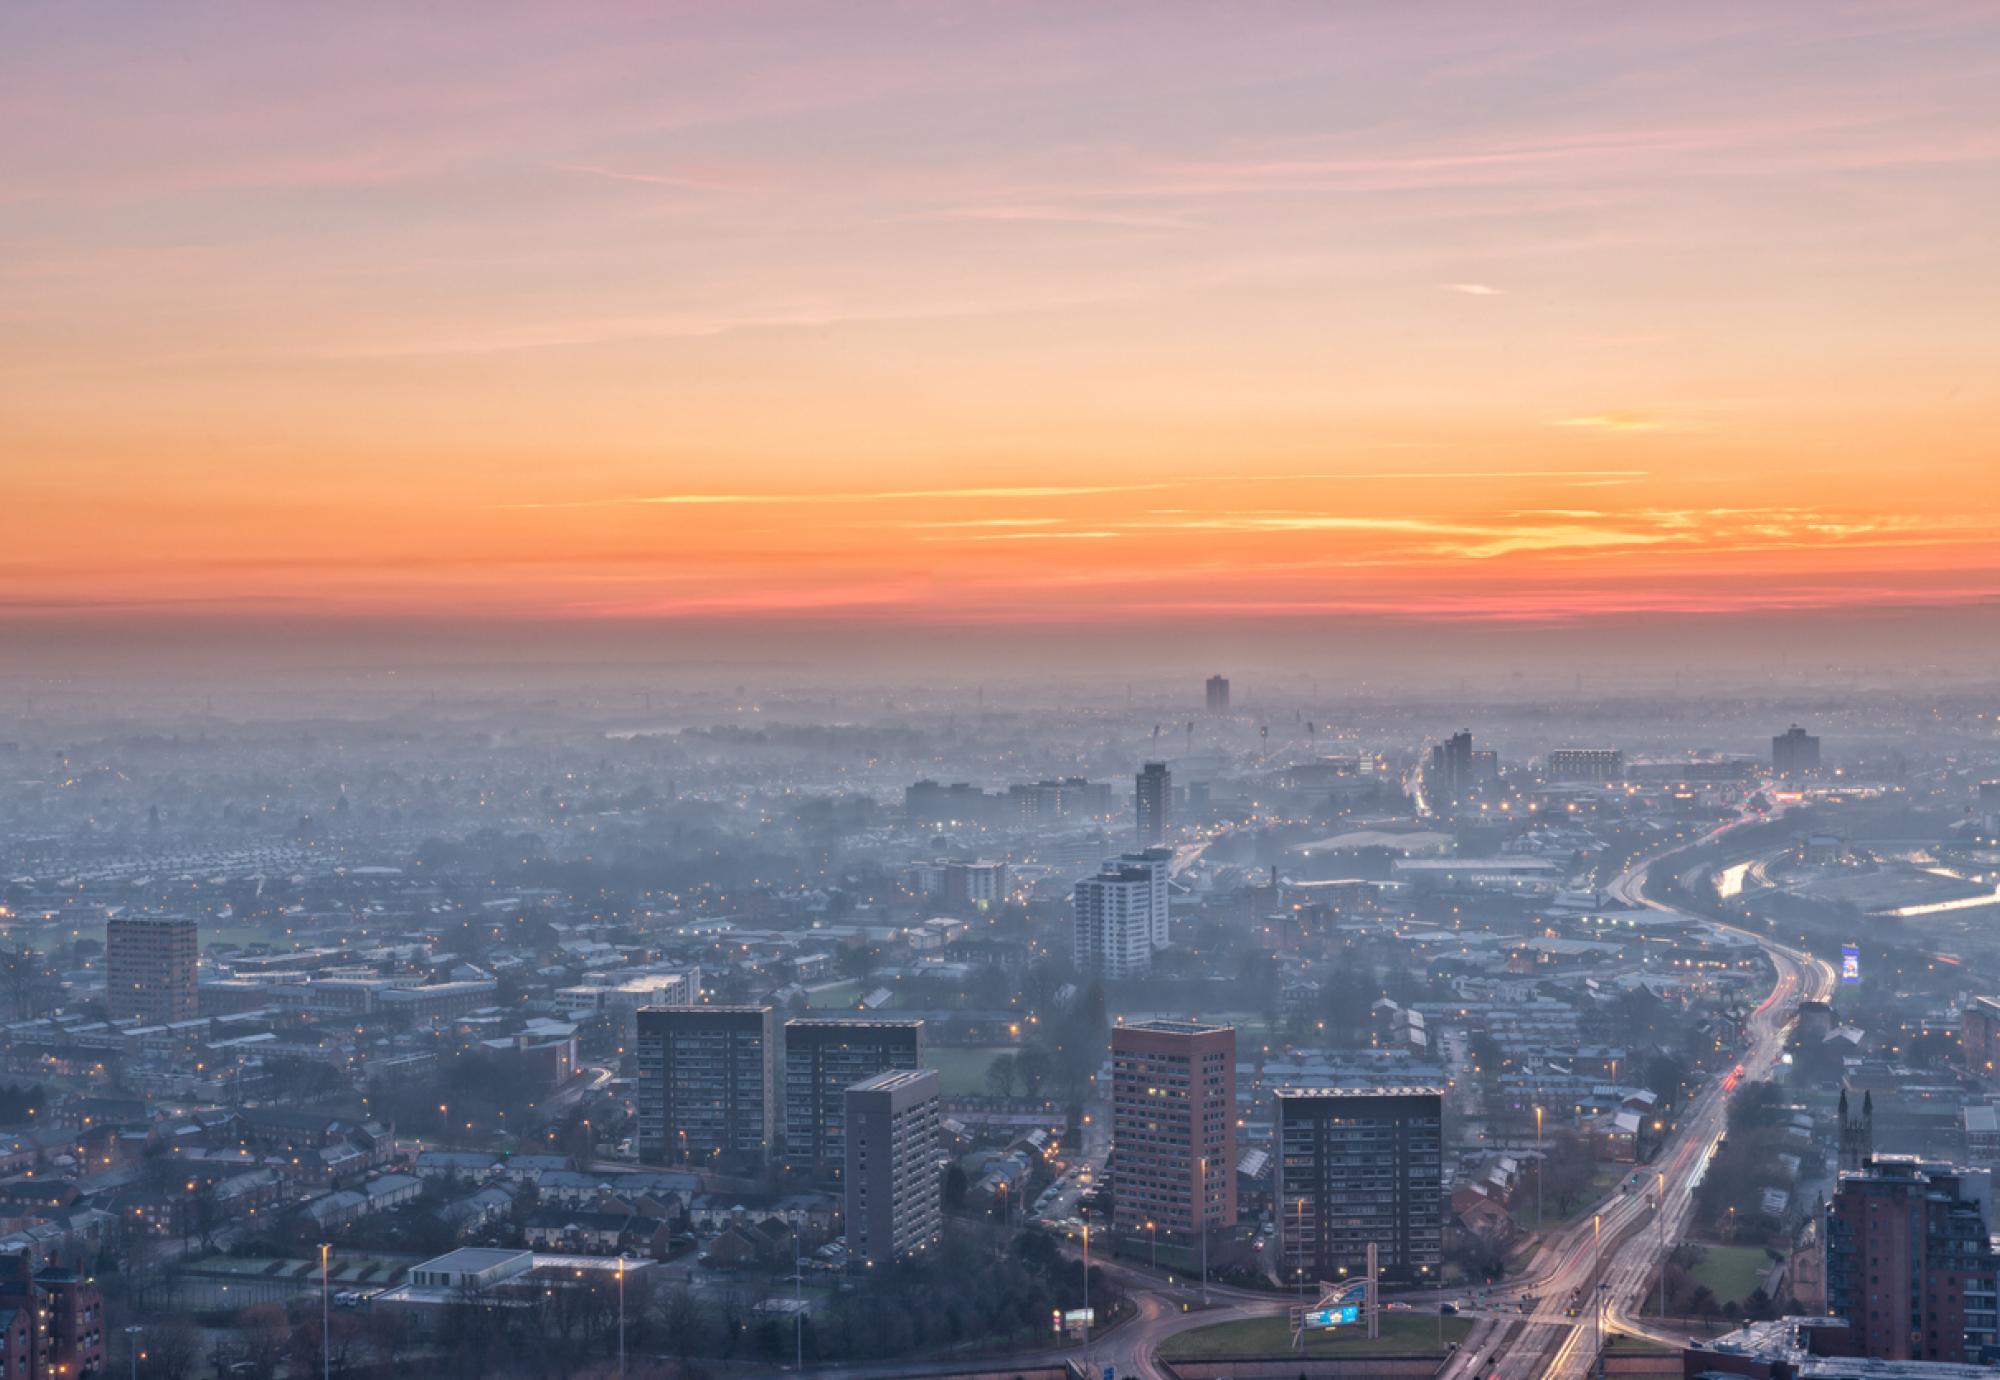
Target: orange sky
(1012,314)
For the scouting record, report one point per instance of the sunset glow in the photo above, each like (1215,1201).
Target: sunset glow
(998,314)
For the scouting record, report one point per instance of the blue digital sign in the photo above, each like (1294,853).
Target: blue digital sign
(1333,1317)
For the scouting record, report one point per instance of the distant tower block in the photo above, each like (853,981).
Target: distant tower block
(1218,694)
(1795,753)
(1152,802)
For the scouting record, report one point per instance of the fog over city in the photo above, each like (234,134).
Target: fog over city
(518,987)
(951,691)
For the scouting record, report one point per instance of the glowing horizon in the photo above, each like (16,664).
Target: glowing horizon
(999,315)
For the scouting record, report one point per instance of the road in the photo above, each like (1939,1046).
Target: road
(1131,1348)
(587,1079)
(1621,1247)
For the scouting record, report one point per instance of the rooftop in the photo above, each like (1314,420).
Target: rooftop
(893,1079)
(1411,1090)
(1168,1026)
(472,1259)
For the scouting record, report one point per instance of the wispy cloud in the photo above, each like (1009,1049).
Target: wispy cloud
(1421,476)
(1474,289)
(984,522)
(880,496)
(1058,215)
(501,337)
(650,179)
(1047,536)
(1613,421)
(1025,491)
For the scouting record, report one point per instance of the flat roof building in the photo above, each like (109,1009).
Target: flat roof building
(707,1082)
(1121,916)
(1173,1125)
(1360,1167)
(1153,803)
(1795,753)
(1910,1263)
(895,1192)
(824,1057)
(149,968)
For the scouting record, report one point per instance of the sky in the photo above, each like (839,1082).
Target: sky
(831,319)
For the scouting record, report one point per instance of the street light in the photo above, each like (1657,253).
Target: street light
(1301,1219)
(1596,1288)
(1086,1293)
(621,1312)
(798,1305)
(1204,1231)
(325,1316)
(1540,1166)
(132,1347)
(1663,1245)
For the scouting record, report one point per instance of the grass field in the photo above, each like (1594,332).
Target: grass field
(1403,1334)
(837,996)
(1250,1026)
(1731,1272)
(1603,1180)
(362,1269)
(962,1068)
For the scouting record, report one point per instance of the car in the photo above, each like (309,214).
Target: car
(1448,1308)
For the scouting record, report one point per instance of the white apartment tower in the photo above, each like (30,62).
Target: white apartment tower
(1122,914)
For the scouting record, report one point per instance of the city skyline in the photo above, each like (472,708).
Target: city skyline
(1133,689)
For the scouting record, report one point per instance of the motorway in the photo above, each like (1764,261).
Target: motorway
(1621,1247)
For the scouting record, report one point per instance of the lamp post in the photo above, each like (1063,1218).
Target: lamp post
(1153,1227)
(1663,1245)
(325,1315)
(621,1312)
(1204,1231)
(132,1347)
(1301,1220)
(1086,1294)
(1541,1166)
(1596,1288)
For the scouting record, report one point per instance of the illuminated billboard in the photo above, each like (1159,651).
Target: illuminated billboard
(1850,963)
(1334,1317)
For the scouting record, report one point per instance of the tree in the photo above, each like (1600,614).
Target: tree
(26,984)
(262,1329)
(1567,1171)
(1034,1065)
(1664,1076)
(680,1319)
(174,1351)
(1000,1075)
